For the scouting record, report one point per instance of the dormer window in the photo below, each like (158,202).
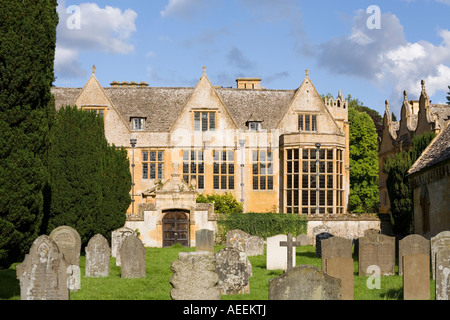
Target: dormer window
(137,123)
(254,125)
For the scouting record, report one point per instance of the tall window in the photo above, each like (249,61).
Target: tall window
(262,167)
(223,170)
(307,122)
(153,164)
(314,181)
(204,121)
(194,167)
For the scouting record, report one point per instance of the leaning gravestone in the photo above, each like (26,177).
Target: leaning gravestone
(194,277)
(276,257)
(412,244)
(97,257)
(378,250)
(69,243)
(237,239)
(132,255)
(443,274)
(416,276)
(438,242)
(43,274)
(255,246)
(305,282)
(117,238)
(234,271)
(335,247)
(204,240)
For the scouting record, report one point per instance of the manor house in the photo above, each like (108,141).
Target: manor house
(274,150)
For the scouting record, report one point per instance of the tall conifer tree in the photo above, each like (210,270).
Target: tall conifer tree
(27,52)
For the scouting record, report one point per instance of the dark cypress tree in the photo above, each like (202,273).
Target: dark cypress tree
(27,52)
(448,97)
(90,181)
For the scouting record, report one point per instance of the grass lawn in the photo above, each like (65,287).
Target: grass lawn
(156,285)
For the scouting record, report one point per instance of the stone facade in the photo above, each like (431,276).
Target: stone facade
(274,150)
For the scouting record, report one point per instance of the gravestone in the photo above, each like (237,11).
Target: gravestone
(69,243)
(379,250)
(237,239)
(204,240)
(276,257)
(194,277)
(335,247)
(303,240)
(97,257)
(342,268)
(416,276)
(290,244)
(412,244)
(117,238)
(43,274)
(440,241)
(443,274)
(320,229)
(234,271)
(255,246)
(132,255)
(305,282)
(319,238)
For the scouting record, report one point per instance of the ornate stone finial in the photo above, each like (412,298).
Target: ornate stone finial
(93,69)
(307,72)
(204,70)
(423,85)
(386,103)
(340,93)
(405,96)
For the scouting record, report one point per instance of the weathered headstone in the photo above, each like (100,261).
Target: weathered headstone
(97,257)
(335,247)
(320,229)
(234,271)
(443,274)
(43,274)
(416,276)
(305,282)
(303,240)
(117,238)
(319,238)
(204,240)
(290,244)
(438,242)
(69,243)
(378,250)
(194,277)
(276,257)
(237,239)
(255,246)
(132,255)
(342,268)
(412,244)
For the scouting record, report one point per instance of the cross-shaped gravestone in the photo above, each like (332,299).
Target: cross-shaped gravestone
(289,244)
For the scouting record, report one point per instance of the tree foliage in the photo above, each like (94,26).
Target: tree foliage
(448,96)
(399,191)
(89,180)
(363,163)
(27,51)
(223,203)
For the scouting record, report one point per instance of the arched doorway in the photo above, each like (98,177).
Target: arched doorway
(175,228)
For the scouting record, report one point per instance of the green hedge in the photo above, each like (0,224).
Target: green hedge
(264,224)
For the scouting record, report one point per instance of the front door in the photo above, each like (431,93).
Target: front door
(175,229)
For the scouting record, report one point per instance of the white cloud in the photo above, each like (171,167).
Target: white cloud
(385,57)
(100,29)
(186,9)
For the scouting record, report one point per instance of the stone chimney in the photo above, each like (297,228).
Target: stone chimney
(248,83)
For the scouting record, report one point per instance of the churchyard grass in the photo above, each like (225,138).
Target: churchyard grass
(156,285)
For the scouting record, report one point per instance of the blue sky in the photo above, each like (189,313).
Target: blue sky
(167,42)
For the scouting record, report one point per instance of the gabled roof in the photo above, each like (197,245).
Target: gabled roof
(437,152)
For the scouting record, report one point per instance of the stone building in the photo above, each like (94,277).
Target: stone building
(416,118)
(429,177)
(274,150)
